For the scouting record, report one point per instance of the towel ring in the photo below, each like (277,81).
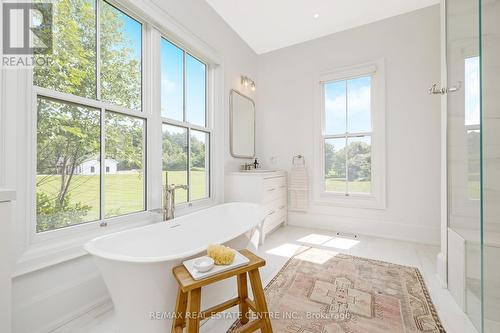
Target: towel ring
(298,157)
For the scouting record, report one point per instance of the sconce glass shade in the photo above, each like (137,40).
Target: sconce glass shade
(246,81)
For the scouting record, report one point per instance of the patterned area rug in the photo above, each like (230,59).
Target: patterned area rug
(319,291)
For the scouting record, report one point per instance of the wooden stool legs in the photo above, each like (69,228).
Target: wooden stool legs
(243,295)
(260,301)
(180,311)
(188,307)
(193,311)
(188,312)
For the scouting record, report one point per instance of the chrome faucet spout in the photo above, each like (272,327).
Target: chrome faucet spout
(169,200)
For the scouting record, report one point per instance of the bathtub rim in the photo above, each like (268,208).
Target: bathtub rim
(91,248)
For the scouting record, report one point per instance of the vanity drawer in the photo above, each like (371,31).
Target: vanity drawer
(274,188)
(277,214)
(274,220)
(275,182)
(268,189)
(276,205)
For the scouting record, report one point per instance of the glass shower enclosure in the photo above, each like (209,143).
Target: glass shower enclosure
(473,158)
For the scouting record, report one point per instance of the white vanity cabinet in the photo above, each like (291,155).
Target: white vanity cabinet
(6,196)
(266,188)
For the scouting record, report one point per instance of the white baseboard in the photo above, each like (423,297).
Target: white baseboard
(93,309)
(369,227)
(457,264)
(442,270)
(52,301)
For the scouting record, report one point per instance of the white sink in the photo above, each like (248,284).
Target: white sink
(258,171)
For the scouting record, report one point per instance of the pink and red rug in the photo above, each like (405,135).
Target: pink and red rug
(319,291)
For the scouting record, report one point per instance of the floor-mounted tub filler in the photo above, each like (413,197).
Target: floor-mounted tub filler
(137,264)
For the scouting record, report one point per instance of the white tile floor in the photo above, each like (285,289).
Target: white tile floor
(280,246)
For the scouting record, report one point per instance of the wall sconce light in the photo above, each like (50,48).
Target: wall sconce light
(246,81)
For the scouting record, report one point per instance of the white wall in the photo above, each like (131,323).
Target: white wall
(48,297)
(410,45)
(239,59)
(6,197)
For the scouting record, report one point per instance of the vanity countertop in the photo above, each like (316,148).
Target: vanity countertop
(7,195)
(260,173)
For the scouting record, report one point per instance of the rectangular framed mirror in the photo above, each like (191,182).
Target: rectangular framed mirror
(242,125)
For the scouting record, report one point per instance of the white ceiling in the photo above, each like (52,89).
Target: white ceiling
(267,25)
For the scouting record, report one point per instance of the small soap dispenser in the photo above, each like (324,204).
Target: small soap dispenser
(256,164)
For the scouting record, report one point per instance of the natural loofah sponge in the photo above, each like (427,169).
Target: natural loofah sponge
(222,255)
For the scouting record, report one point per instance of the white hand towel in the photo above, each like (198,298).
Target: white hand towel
(299,185)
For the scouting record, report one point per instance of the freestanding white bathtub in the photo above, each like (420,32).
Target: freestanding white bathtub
(137,264)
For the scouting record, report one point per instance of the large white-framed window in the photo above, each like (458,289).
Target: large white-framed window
(186,125)
(350,148)
(90,124)
(94,111)
(103,116)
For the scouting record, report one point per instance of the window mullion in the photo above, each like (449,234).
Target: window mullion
(189,164)
(346,166)
(208,160)
(357,134)
(186,124)
(98,49)
(184,116)
(102,165)
(346,141)
(145,165)
(207,121)
(339,136)
(188,129)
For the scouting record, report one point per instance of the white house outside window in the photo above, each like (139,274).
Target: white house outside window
(90,109)
(94,101)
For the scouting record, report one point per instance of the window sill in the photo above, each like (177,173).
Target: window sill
(361,201)
(58,249)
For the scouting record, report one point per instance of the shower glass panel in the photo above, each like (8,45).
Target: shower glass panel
(490,56)
(464,155)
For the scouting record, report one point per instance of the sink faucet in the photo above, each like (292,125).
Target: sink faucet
(169,200)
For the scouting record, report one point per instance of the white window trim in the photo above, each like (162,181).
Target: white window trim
(377,199)
(208,128)
(145,113)
(35,251)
